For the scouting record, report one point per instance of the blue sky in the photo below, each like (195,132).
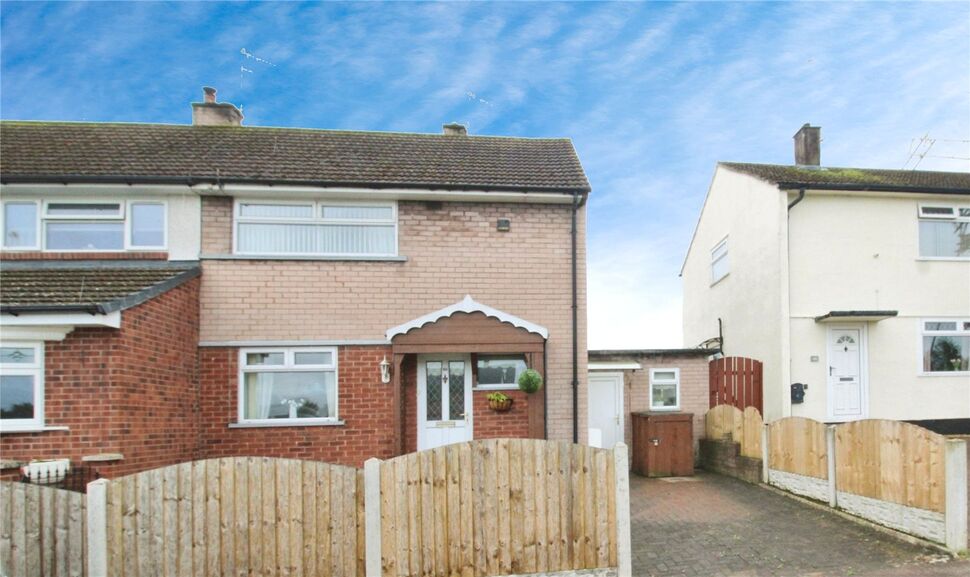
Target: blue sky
(653,94)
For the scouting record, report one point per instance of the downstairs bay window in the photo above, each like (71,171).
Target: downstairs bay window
(21,386)
(321,229)
(288,386)
(945,346)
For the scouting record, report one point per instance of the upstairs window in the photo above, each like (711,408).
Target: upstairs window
(324,229)
(946,345)
(719,261)
(83,226)
(944,231)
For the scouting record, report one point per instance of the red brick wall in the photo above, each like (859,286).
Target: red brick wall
(130,390)
(490,424)
(364,404)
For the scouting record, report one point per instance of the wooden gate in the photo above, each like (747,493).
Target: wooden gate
(736,381)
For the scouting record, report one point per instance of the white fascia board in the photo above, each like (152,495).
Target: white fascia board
(99,190)
(288,191)
(614,366)
(51,333)
(41,320)
(467,305)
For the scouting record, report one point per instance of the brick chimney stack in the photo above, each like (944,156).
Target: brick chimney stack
(454,129)
(808,145)
(212,113)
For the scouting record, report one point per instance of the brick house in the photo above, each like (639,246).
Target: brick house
(213,289)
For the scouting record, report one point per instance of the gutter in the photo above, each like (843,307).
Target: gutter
(218,181)
(783,185)
(17,310)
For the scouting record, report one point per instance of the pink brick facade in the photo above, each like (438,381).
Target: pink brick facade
(131,390)
(451,249)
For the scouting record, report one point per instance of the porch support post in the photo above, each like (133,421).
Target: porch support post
(537,400)
(398,400)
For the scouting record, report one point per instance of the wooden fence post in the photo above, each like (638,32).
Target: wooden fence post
(955,516)
(830,453)
(97,521)
(624,553)
(764,453)
(372,517)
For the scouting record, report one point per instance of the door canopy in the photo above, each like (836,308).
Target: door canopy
(469,306)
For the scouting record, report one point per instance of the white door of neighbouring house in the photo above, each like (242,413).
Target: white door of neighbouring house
(605,409)
(444,400)
(846,378)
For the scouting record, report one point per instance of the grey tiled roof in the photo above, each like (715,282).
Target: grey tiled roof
(69,151)
(854,178)
(74,286)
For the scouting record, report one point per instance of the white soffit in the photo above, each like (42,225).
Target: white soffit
(52,327)
(614,366)
(467,305)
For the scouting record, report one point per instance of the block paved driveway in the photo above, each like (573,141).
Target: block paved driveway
(710,525)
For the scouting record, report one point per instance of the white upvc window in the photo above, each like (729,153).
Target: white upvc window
(664,389)
(84,226)
(21,386)
(945,346)
(720,266)
(288,385)
(499,371)
(316,228)
(944,231)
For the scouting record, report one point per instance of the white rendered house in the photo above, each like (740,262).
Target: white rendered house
(854,283)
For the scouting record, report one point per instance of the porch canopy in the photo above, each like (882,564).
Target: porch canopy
(471,327)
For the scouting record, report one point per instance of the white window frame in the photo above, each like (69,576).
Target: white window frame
(953,216)
(499,387)
(36,370)
(654,380)
(289,365)
(714,260)
(124,216)
(317,218)
(922,332)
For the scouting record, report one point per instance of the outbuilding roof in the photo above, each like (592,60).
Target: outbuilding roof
(833,178)
(86,286)
(160,153)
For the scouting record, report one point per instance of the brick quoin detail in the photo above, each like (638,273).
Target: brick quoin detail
(130,390)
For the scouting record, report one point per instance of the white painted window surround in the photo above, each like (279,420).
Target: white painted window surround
(664,389)
(21,386)
(944,346)
(88,225)
(315,228)
(944,232)
(291,386)
(720,265)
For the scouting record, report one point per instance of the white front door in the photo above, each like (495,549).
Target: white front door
(605,409)
(845,373)
(444,400)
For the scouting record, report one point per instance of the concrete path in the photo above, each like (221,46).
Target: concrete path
(709,525)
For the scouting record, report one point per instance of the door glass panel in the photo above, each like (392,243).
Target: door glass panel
(433,391)
(456,390)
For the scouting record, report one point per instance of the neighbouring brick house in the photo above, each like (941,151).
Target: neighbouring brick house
(332,295)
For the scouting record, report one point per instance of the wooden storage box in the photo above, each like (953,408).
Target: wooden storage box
(663,444)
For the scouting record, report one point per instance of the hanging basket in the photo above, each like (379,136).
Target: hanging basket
(500,403)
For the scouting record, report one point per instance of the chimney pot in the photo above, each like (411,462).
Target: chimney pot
(808,145)
(212,113)
(454,129)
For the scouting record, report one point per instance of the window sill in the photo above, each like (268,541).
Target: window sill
(304,257)
(33,429)
(944,258)
(664,409)
(483,388)
(103,458)
(714,283)
(287,424)
(945,374)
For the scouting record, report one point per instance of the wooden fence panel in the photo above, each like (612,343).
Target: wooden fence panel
(797,445)
(742,427)
(498,507)
(892,461)
(42,531)
(751,433)
(736,381)
(237,516)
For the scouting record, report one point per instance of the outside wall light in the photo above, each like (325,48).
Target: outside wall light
(385,370)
